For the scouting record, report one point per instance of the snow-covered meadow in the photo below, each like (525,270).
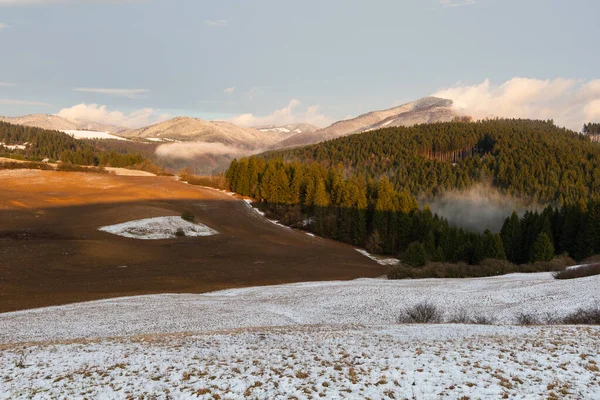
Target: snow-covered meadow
(158,228)
(358,302)
(352,362)
(308,340)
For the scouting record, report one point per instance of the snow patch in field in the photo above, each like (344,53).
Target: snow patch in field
(249,203)
(158,228)
(378,260)
(578,266)
(92,135)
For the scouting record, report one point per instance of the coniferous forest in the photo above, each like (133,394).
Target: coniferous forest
(361,189)
(54,145)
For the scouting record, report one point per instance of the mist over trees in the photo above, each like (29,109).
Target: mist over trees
(361,189)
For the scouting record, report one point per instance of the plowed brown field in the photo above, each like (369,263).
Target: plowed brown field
(51,251)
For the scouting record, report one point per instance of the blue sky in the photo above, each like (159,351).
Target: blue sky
(262,61)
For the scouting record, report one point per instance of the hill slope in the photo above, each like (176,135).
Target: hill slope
(198,130)
(531,159)
(289,128)
(56,123)
(425,110)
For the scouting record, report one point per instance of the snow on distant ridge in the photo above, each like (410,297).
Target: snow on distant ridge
(158,228)
(92,135)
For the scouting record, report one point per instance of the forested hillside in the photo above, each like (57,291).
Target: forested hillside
(341,190)
(56,145)
(534,160)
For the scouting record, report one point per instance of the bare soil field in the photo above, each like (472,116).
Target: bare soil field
(52,253)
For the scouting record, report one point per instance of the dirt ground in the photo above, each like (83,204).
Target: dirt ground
(51,251)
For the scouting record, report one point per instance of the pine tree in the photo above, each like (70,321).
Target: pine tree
(543,249)
(415,255)
(511,237)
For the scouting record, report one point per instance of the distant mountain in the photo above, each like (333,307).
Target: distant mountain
(290,128)
(425,110)
(197,130)
(56,123)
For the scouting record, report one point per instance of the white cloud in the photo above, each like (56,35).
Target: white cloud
(219,23)
(457,3)
(3,26)
(230,90)
(101,114)
(129,93)
(569,102)
(284,116)
(5,84)
(12,102)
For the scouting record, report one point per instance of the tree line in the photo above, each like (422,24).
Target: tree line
(373,214)
(54,145)
(591,128)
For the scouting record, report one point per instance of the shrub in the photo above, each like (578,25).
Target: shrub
(415,255)
(188,216)
(583,316)
(422,313)
(527,319)
(462,316)
(580,272)
(180,232)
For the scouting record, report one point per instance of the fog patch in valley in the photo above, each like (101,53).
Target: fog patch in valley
(477,209)
(191,150)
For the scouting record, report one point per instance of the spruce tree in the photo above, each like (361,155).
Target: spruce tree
(543,249)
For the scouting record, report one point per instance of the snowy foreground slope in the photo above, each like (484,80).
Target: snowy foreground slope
(311,340)
(363,301)
(443,361)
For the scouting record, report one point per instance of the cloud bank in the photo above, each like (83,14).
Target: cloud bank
(189,151)
(284,116)
(569,102)
(101,114)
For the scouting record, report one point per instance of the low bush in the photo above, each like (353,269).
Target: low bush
(25,165)
(422,313)
(583,316)
(462,316)
(488,267)
(579,272)
(188,216)
(180,232)
(68,167)
(527,319)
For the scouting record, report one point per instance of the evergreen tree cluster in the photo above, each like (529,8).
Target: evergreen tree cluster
(533,160)
(574,230)
(358,211)
(42,143)
(592,128)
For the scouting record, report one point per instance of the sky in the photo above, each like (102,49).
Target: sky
(257,62)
